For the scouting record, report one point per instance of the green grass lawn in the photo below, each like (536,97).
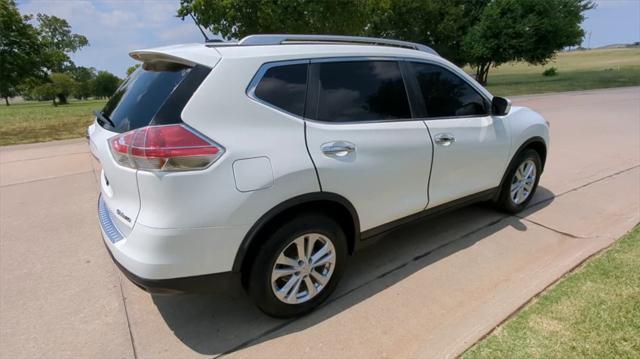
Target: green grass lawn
(593,312)
(40,121)
(577,70)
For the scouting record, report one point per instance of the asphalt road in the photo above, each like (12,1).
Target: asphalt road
(430,289)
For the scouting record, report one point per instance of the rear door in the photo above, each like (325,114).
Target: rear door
(363,140)
(470,145)
(153,94)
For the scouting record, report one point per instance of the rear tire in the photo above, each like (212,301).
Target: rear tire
(521,182)
(299,266)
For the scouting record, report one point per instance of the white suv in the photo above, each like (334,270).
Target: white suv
(268,161)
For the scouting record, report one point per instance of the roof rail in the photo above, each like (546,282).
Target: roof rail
(277,39)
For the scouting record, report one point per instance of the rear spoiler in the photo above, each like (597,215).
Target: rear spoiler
(189,55)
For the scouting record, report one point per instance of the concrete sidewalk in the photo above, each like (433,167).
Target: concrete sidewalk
(430,289)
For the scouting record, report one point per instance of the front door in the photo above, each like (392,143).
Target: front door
(470,146)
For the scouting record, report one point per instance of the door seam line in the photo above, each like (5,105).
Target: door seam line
(306,145)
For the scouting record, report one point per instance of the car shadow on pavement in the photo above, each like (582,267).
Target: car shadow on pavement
(217,324)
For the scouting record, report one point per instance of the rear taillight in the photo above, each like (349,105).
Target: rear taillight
(164,148)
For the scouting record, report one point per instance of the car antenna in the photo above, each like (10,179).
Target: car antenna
(206,38)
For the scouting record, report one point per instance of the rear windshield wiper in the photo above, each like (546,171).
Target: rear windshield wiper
(104,118)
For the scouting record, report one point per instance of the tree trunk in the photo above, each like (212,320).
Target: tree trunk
(485,76)
(62,99)
(6,100)
(482,73)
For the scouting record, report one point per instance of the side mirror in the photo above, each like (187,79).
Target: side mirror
(500,106)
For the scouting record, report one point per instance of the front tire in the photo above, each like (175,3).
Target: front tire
(521,182)
(299,266)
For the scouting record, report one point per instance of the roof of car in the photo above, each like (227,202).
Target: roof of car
(209,55)
(287,46)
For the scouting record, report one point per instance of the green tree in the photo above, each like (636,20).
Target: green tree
(84,81)
(20,52)
(105,84)
(238,18)
(63,85)
(60,86)
(57,42)
(131,69)
(440,24)
(43,92)
(413,20)
(523,30)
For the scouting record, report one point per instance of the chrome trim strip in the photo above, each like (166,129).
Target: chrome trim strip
(113,234)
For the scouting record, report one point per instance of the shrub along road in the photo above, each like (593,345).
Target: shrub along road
(431,289)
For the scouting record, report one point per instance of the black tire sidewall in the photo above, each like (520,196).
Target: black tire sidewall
(260,278)
(505,201)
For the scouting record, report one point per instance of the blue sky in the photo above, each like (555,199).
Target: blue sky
(115,27)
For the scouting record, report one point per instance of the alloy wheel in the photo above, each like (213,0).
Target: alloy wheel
(303,268)
(522,182)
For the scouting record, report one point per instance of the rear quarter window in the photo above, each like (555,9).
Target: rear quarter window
(285,87)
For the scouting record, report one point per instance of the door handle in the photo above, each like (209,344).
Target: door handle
(444,139)
(338,148)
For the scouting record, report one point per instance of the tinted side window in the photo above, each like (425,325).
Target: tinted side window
(361,91)
(284,87)
(446,94)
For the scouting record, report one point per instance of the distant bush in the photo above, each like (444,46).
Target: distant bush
(551,71)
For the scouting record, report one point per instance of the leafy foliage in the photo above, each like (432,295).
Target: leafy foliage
(239,18)
(441,24)
(60,86)
(35,62)
(523,30)
(57,40)
(84,77)
(105,84)
(483,33)
(28,53)
(20,50)
(551,71)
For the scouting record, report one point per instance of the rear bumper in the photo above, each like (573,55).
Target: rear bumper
(210,283)
(173,260)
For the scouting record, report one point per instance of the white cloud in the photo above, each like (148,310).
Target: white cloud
(114,28)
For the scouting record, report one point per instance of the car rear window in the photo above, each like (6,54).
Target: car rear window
(142,96)
(284,87)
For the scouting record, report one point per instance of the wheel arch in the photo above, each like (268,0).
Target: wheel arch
(332,204)
(536,143)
